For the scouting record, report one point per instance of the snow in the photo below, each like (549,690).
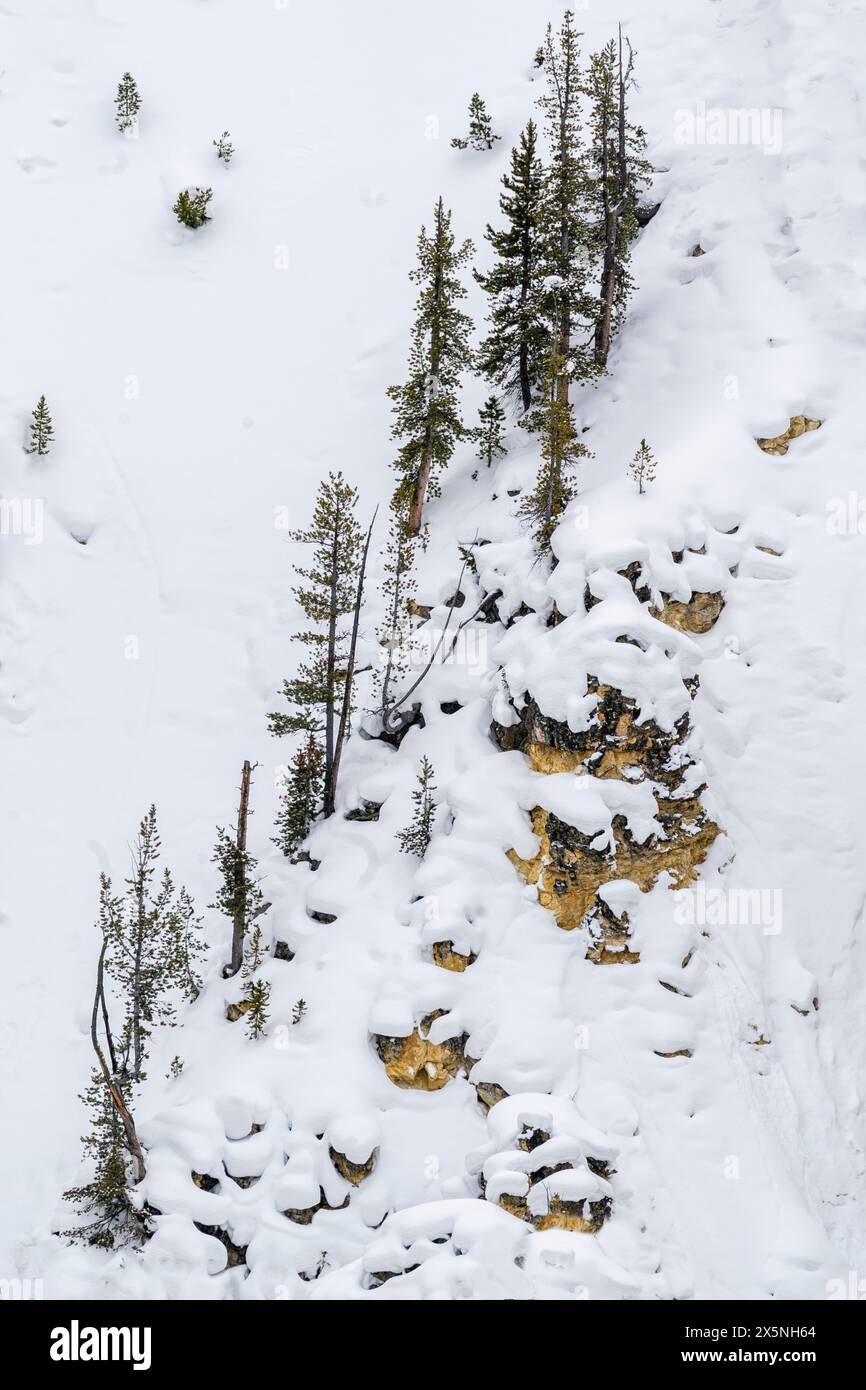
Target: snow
(200,384)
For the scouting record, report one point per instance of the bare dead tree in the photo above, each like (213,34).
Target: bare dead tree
(110,1076)
(342,730)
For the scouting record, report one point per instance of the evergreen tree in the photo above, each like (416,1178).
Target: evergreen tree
(239,896)
(191,206)
(327,598)
(150,951)
(258,995)
(553,420)
(426,410)
(418,834)
(224,147)
(514,352)
(566,301)
(643,466)
(110,1217)
(491,417)
(127,103)
(254,954)
(41,429)
(618,173)
(481,135)
(300,797)
(299,1010)
(397,590)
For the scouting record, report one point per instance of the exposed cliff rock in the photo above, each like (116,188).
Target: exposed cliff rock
(799,424)
(418,1064)
(445,956)
(538,1166)
(567,869)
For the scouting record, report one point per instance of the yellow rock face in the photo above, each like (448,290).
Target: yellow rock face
(567,872)
(445,956)
(799,424)
(562,1216)
(700,614)
(415,1063)
(236,1011)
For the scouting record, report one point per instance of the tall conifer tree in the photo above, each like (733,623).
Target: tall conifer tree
(300,797)
(150,950)
(553,421)
(327,595)
(397,589)
(618,173)
(513,354)
(567,301)
(426,410)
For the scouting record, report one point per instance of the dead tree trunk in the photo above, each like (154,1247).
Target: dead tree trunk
(350,670)
(132,1141)
(240,886)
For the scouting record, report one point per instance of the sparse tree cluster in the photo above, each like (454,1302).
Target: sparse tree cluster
(148,960)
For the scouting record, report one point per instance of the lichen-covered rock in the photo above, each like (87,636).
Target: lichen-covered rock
(546,1165)
(418,1064)
(489,1093)
(236,1011)
(444,955)
(568,870)
(699,615)
(799,424)
(237,1254)
(303,1216)
(355,1173)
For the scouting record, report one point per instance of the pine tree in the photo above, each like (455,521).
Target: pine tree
(41,429)
(150,952)
(513,354)
(224,147)
(327,598)
(426,410)
(491,418)
(643,466)
(254,954)
(417,836)
(618,173)
(481,135)
(239,896)
(104,1202)
(553,420)
(128,103)
(191,206)
(567,301)
(300,797)
(258,994)
(397,590)
(299,1010)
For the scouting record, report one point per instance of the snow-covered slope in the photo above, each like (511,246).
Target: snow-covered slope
(198,389)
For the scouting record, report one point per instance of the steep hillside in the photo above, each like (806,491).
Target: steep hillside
(603,1041)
